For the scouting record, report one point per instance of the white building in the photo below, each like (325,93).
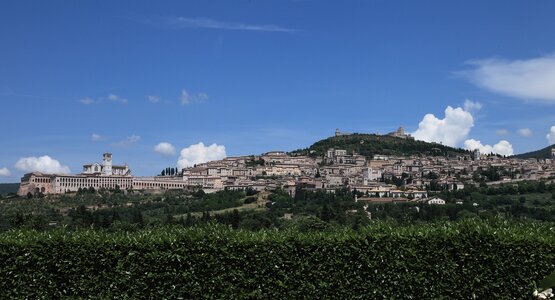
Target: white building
(106,168)
(435,201)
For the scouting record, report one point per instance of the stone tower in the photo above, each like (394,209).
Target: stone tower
(476,154)
(553,153)
(107,159)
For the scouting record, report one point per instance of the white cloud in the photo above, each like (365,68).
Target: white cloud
(502,132)
(153,99)
(185,22)
(117,98)
(87,101)
(186,98)
(96,137)
(198,153)
(551,135)
(450,130)
(525,132)
(503,147)
(128,141)
(165,149)
(472,106)
(529,79)
(5,172)
(44,164)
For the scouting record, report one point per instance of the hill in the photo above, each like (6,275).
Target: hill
(542,153)
(6,188)
(372,144)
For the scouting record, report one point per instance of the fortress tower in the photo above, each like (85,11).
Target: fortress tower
(107,164)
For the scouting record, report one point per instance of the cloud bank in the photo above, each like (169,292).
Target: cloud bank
(503,147)
(472,106)
(96,137)
(529,79)
(206,23)
(130,140)
(5,172)
(199,153)
(502,132)
(450,130)
(117,98)
(165,149)
(44,164)
(86,101)
(551,135)
(525,132)
(153,99)
(187,99)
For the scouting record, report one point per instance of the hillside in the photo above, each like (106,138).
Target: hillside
(542,153)
(371,144)
(6,188)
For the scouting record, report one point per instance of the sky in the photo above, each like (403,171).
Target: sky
(174,83)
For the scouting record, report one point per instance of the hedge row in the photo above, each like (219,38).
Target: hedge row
(463,260)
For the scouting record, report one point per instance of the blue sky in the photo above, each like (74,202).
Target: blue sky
(256,75)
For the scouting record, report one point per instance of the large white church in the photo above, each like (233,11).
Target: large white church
(98,176)
(106,168)
(94,175)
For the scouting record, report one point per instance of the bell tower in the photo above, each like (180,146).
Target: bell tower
(107,159)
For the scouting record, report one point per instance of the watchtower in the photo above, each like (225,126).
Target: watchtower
(107,163)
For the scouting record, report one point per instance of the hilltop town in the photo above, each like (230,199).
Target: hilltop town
(380,177)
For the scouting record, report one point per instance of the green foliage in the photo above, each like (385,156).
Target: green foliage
(371,144)
(542,153)
(547,282)
(464,260)
(8,188)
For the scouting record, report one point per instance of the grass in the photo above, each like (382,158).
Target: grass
(258,205)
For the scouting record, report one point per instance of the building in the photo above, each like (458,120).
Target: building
(476,154)
(400,133)
(435,201)
(339,133)
(94,175)
(106,169)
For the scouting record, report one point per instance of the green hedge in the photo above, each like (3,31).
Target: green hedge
(460,260)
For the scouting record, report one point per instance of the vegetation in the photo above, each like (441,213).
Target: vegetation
(469,259)
(371,144)
(526,200)
(115,210)
(8,188)
(542,153)
(247,244)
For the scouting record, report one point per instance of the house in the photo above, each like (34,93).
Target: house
(435,201)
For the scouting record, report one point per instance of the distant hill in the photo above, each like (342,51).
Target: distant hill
(6,188)
(371,144)
(542,153)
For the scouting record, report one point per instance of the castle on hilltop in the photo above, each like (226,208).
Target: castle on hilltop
(400,133)
(339,133)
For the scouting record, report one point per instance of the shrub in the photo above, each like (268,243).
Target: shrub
(462,260)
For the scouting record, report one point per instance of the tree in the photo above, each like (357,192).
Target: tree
(235,219)
(137,218)
(163,173)
(326,213)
